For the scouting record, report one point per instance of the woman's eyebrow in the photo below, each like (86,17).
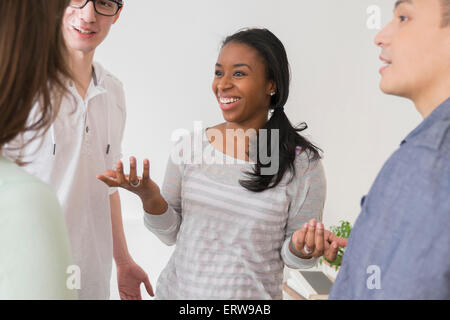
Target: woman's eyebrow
(237,65)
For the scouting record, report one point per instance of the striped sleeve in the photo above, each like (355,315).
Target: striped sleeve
(167,225)
(308,192)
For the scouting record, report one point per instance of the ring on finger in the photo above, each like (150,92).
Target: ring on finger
(307,251)
(135,185)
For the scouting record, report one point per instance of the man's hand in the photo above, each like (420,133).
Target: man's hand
(129,279)
(312,240)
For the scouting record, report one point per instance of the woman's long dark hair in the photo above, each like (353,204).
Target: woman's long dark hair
(274,54)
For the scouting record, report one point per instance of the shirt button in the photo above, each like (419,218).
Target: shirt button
(363,199)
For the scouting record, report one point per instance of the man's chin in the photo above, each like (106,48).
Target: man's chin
(389,88)
(385,89)
(83,48)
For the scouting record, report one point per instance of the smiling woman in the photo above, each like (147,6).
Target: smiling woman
(272,94)
(234,238)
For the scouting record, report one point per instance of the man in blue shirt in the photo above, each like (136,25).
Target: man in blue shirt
(400,245)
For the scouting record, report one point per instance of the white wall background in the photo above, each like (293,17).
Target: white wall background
(164,52)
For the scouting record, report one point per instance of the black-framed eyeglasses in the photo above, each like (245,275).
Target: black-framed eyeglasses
(107,8)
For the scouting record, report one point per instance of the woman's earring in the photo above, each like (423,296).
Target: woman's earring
(272,94)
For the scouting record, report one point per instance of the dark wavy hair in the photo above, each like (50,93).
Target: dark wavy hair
(272,50)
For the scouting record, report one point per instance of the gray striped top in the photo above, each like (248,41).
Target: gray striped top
(231,243)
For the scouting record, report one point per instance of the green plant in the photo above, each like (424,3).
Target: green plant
(343,230)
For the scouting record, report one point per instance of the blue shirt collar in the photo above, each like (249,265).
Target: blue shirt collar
(440,113)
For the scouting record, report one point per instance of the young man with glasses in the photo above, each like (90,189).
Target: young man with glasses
(86,139)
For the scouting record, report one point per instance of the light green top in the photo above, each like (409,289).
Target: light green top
(34,247)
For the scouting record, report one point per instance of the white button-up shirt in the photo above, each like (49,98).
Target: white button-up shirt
(83,142)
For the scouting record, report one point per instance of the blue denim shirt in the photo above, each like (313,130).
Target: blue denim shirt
(400,246)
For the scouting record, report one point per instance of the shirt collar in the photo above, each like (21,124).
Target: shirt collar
(97,82)
(96,86)
(440,113)
(97,75)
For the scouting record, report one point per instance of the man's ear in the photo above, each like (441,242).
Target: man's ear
(116,17)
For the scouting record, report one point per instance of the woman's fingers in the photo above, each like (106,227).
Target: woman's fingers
(146,173)
(299,237)
(320,243)
(331,253)
(314,241)
(133,175)
(331,237)
(112,183)
(119,171)
(310,237)
(110,174)
(342,242)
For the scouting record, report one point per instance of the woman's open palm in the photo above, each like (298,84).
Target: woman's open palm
(143,186)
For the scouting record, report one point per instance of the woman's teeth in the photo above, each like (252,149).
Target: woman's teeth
(229,100)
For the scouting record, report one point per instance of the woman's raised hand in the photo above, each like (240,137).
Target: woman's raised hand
(313,241)
(143,186)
